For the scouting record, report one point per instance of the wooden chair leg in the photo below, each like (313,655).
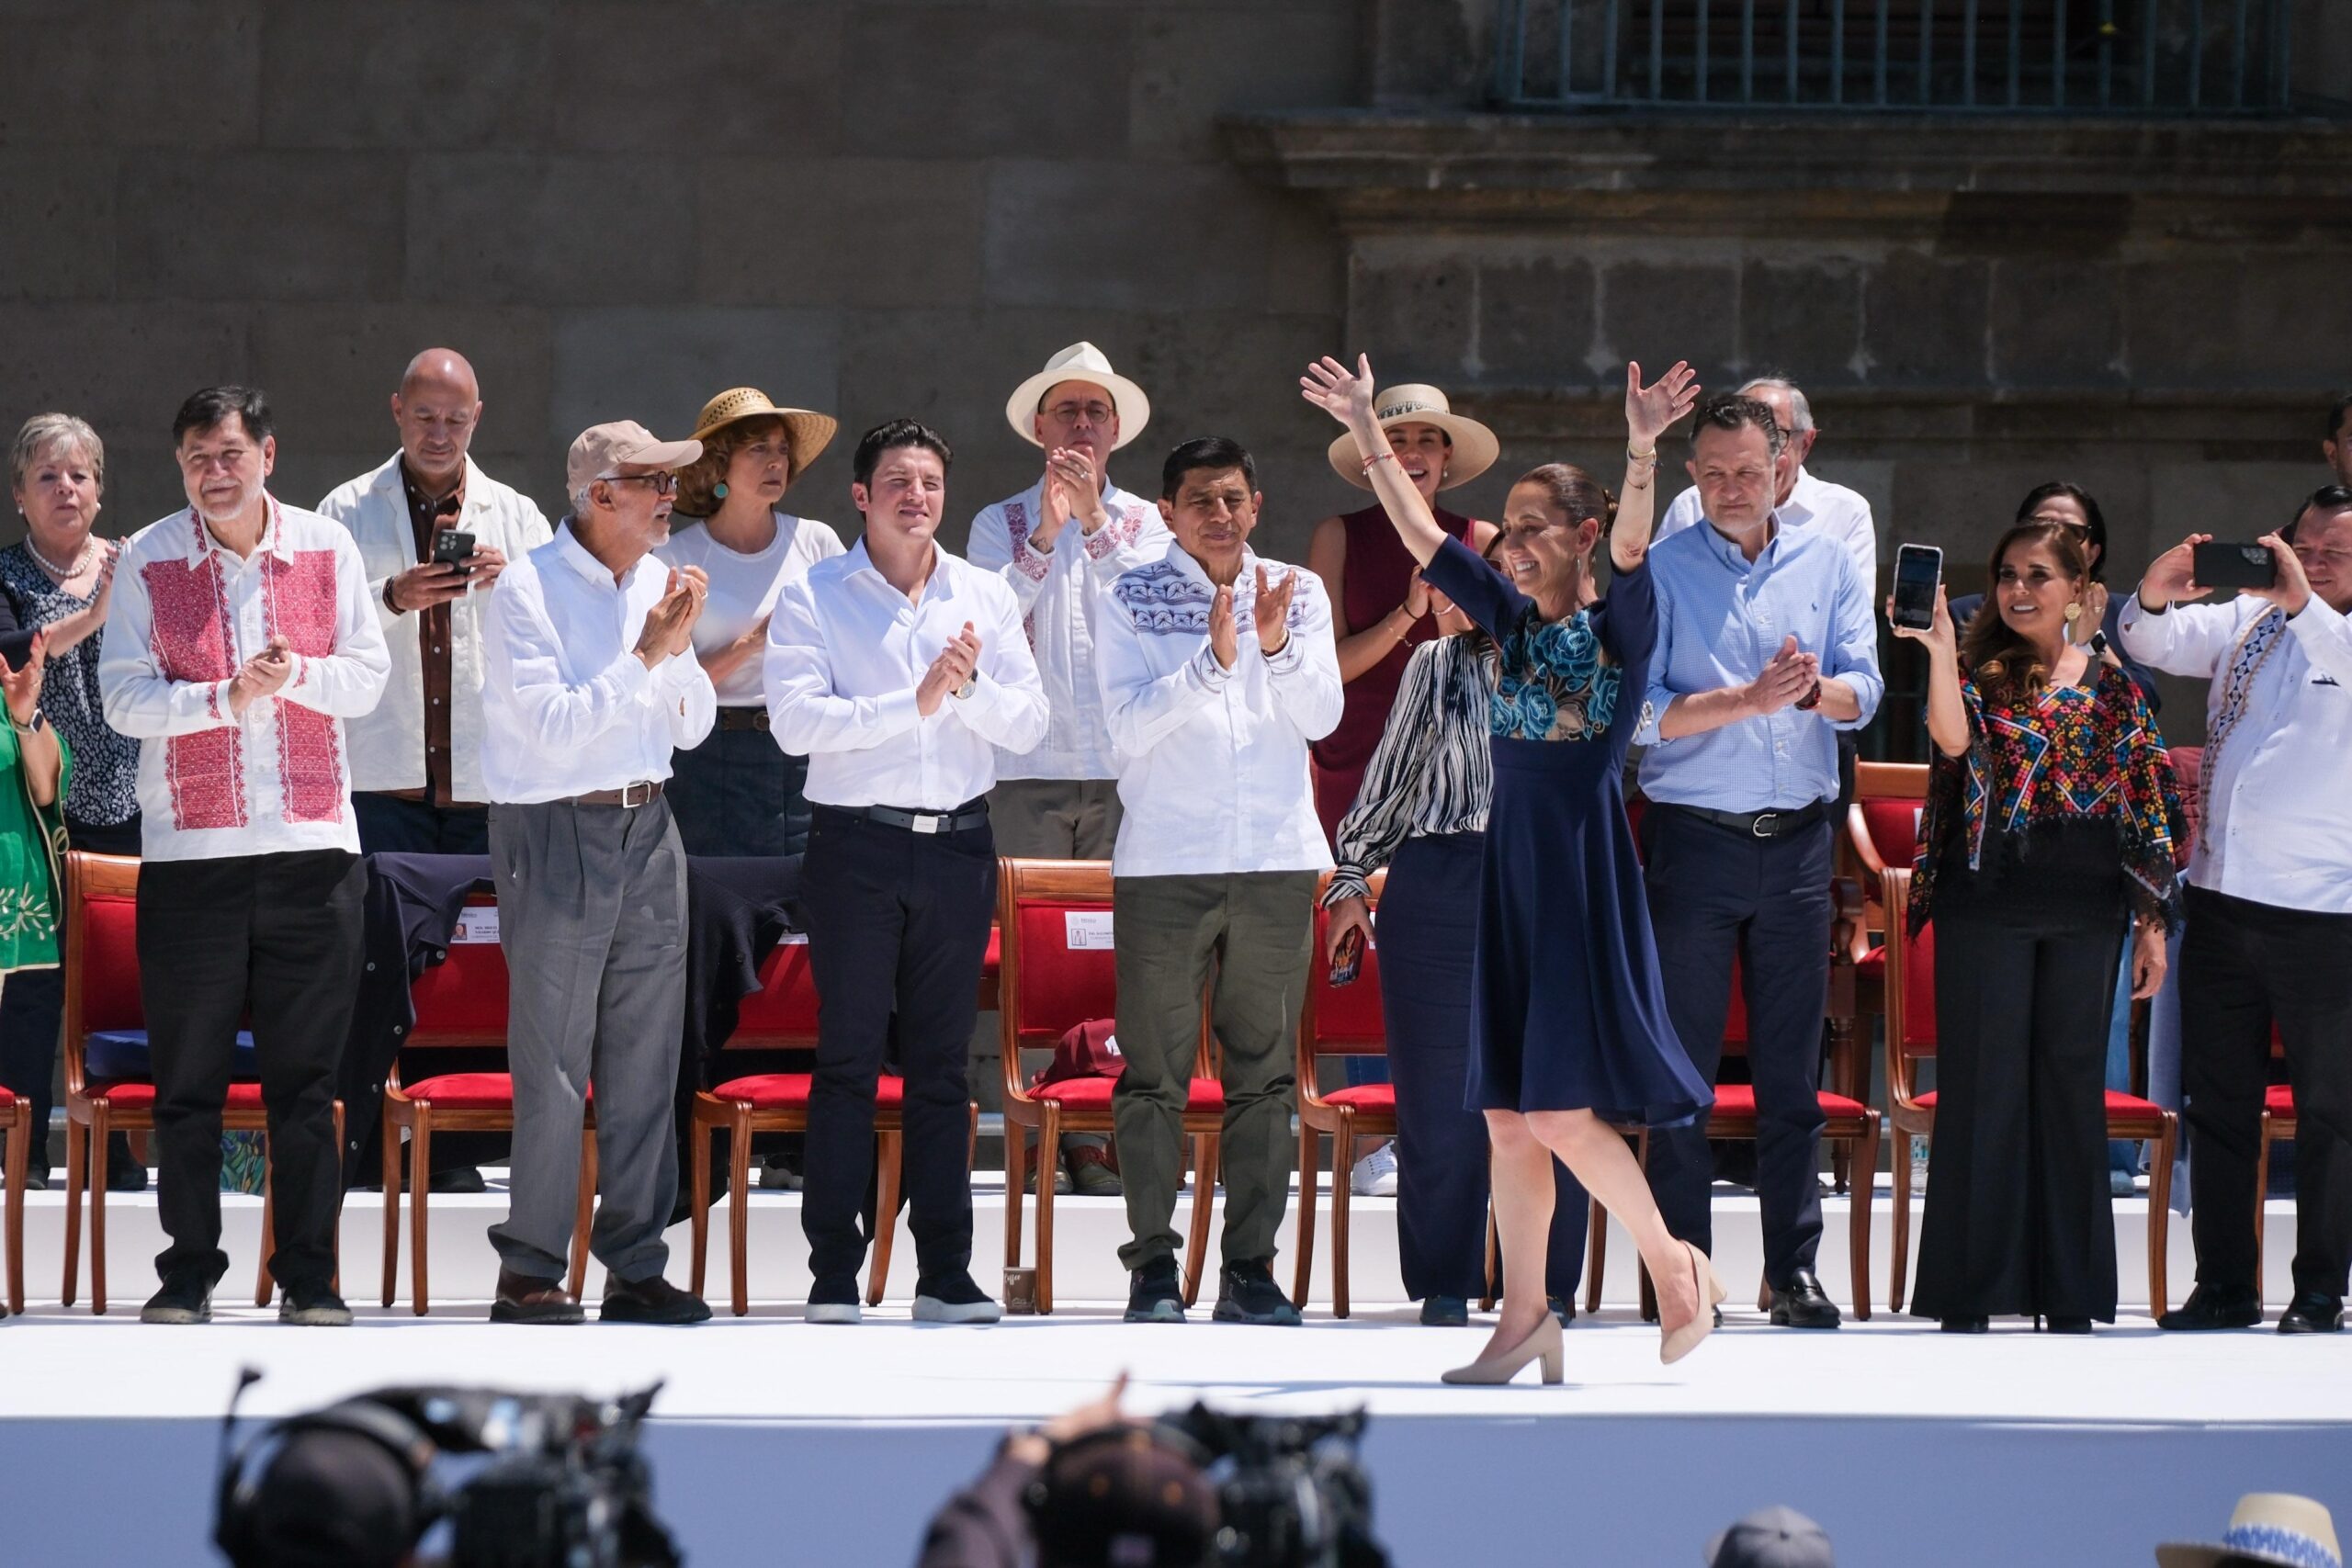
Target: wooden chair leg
(1596,1248)
(2160,1217)
(583,1219)
(2261,1206)
(335,1237)
(739,1208)
(890,1153)
(100,1126)
(20,1136)
(699,1136)
(262,1281)
(74,1147)
(1494,1260)
(1197,1244)
(391,1269)
(1303,1237)
(1016,1164)
(1343,1164)
(1865,1167)
(420,1160)
(1900,1244)
(1049,1144)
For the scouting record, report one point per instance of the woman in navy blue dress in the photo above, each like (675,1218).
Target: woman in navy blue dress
(1568,1012)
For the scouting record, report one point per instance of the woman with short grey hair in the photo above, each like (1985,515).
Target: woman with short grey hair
(57,582)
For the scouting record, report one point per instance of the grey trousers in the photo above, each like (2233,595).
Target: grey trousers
(1258,929)
(592,910)
(1055,818)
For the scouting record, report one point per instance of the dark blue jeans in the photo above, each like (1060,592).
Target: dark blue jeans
(738,793)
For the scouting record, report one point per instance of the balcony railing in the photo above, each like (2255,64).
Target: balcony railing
(2072,57)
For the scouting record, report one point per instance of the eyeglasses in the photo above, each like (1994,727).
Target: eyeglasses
(1070,414)
(663,484)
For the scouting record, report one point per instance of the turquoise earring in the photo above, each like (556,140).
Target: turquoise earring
(718,491)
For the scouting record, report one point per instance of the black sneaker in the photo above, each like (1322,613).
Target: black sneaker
(1445,1311)
(125,1176)
(180,1301)
(1246,1292)
(834,1300)
(953,1298)
(312,1306)
(1155,1294)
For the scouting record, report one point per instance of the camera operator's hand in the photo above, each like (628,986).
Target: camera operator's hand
(1034,1446)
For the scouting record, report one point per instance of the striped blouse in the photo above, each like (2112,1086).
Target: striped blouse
(1431,772)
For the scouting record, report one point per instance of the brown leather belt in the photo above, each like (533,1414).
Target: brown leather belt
(742,718)
(629,797)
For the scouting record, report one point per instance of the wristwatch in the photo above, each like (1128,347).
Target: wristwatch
(40,722)
(971,683)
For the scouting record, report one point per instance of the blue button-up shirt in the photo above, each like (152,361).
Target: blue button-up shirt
(1721,619)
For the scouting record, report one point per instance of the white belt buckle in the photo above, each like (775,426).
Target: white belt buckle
(645,785)
(929,822)
(1762,827)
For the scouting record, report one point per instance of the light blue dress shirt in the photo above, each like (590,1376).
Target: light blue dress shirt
(1721,619)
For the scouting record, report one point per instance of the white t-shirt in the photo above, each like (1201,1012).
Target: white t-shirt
(743,588)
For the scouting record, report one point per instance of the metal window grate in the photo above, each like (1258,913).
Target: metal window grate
(2077,56)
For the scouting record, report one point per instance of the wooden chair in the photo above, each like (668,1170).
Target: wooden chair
(2277,1127)
(1337,1022)
(461,1001)
(782,1015)
(1911,1037)
(102,994)
(1048,985)
(18,1124)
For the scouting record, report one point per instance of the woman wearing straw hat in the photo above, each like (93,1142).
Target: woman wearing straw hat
(730,795)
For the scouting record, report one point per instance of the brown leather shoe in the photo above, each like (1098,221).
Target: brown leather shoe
(524,1298)
(650,1300)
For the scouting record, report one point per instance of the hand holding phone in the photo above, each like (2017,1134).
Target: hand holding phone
(1918,572)
(2217,564)
(452,546)
(1348,963)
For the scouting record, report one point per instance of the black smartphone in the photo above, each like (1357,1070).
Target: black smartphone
(452,546)
(2219,565)
(1348,963)
(1918,572)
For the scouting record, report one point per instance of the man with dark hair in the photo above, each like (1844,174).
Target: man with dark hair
(1219,668)
(241,638)
(2338,447)
(2268,942)
(901,674)
(1767,648)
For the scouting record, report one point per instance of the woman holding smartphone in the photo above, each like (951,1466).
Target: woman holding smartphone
(1568,1018)
(2049,831)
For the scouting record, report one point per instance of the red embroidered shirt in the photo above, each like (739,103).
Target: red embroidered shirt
(187,615)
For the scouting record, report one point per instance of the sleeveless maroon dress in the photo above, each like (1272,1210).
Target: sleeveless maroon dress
(1379,568)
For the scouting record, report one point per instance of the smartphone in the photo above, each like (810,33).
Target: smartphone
(2217,565)
(1349,962)
(452,546)
(1918,572)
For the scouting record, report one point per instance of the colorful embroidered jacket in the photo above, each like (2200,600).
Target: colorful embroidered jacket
(2070,754)
(187,615)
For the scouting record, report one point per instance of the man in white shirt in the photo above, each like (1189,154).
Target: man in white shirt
(901,672)
(416,761)
(1802,501)
(240,641)
(2268,941)
(1218,670)
(591,683)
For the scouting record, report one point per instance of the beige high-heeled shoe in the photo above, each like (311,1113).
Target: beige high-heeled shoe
(1681,1342)
(1543,1344)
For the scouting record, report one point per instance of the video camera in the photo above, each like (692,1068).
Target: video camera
(1295,1496)
(562,1483)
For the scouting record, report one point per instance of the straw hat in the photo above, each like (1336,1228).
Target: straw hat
(1079,362)
(1474,446)
(805,430)
(2268,1527)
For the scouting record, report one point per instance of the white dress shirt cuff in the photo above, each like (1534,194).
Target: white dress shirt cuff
(1211,675)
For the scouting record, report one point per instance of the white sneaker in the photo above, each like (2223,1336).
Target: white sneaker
(1375,1174)
(931,1309)
(833,1311)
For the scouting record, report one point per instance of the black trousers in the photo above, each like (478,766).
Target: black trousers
(898,923)
(273,938)
(32,1007)
(2019,1216)
(1716,895)
(2244,966)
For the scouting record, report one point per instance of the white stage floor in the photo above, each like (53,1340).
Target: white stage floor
(779,1442)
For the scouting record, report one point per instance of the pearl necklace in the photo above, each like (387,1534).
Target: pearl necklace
(61,571)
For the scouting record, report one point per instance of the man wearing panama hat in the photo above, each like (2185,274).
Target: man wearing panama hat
(729,794)
(1060,545)
(2266,1529)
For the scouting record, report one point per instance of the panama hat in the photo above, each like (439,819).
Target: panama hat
(2267,1527)
(1474,446)
(1079,362)
(805,430)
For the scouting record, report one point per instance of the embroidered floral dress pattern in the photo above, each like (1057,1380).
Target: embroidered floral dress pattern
(1551,680)
(2065,754)
(106,766)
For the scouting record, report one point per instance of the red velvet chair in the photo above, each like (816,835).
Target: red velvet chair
(1344,1021)
(782,1014)
(1046,987)
(461,1001)
(1911,1037)
(16,1120)
(102,994)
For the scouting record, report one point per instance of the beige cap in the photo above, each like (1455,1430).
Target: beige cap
(1474,446)
(603,450)
(1079,362)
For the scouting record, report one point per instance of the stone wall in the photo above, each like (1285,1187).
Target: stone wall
(618,208)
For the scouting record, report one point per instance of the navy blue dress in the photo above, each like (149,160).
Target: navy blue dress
(1569,1010)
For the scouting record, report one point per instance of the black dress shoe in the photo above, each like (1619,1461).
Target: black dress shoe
(2068,1325)
(2208,1308)
(1966,1326)
(1801,1303)
(650,1300)
(124,1175)
(524,1298)
(456,1178)
(2310,1312)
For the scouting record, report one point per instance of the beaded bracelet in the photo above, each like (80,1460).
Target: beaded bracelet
(1378,457)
